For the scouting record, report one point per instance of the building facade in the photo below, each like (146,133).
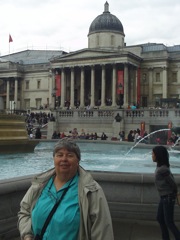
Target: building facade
(106,75)
(25,82)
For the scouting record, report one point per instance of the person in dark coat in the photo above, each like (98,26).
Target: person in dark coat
(38,133)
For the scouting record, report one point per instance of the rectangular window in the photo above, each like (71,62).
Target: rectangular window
(174,77)
(97,39)
(157,77)
(157,99)
(112,40)
(38,84)
(27,103)
(27,85)
(144,102)
(38,103)
(144,77)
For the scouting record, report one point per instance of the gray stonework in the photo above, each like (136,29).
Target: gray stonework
(132,200)
(104,121)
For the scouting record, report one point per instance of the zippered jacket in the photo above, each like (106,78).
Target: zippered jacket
(95,219)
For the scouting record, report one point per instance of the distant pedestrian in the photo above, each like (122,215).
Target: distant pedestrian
(121,135)
(38,133)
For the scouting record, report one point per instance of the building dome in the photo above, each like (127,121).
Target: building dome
(106,22)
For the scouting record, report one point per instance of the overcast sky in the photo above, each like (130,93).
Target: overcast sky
(64,24)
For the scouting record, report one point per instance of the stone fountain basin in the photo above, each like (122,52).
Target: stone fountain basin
(132,200)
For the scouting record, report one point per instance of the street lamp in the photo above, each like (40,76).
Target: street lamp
(54,96)
(14,105)
(120,88)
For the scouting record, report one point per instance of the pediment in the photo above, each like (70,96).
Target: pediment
(84,54)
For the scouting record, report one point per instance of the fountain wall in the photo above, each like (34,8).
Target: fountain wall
(132,199)
(13,135)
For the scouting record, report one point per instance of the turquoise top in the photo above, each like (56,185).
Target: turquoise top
(66,220)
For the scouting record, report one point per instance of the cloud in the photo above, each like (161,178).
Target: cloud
(65,24)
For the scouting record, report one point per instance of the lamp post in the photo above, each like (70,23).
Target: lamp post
(120,87)
(14,105)
(54,96)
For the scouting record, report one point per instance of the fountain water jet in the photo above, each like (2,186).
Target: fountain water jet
(142,139)
(160,130)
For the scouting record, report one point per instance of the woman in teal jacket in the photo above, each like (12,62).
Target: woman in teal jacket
(83,213)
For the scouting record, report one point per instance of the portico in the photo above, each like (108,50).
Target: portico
(95,83)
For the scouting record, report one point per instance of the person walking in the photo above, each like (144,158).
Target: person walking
(167,189)
(81,212)
(38,133)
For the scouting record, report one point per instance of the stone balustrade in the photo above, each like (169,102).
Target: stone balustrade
(126,113)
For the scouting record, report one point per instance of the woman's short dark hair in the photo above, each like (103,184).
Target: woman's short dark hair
(162,155)
(68,144)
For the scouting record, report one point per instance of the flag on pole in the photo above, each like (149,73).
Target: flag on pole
(10,38)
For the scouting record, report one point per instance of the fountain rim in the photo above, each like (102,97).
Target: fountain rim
(117,142)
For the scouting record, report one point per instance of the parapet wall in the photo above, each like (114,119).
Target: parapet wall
(132,199)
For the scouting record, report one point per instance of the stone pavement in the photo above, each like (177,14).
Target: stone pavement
(125,230)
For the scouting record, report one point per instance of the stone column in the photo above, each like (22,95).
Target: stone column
(135,86)
(72,88)
(62,88)
(51,77)
(126,86)
(114,86)
(150,86)
(164,80)
(103,86)
(22,103)
(82,88)
(16,92)
(92,87)
(7,96)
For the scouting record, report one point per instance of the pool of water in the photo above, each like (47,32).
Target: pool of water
(94,156)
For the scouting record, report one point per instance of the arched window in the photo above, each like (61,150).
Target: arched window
(97,39)
(112,40)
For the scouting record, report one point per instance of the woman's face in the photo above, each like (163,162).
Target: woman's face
(153,157)
(66,162)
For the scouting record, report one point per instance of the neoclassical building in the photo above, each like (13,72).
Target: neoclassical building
(106,74)
(109,73)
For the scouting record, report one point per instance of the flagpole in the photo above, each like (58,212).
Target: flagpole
(10,40)
(9,51)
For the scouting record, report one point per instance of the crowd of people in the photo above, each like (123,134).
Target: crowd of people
(173,139)
(82,135)
(35,121)
(135,136)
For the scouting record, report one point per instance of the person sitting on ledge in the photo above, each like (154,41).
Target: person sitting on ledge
(95,136)
(103,136)
(54,135)
(82,210)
